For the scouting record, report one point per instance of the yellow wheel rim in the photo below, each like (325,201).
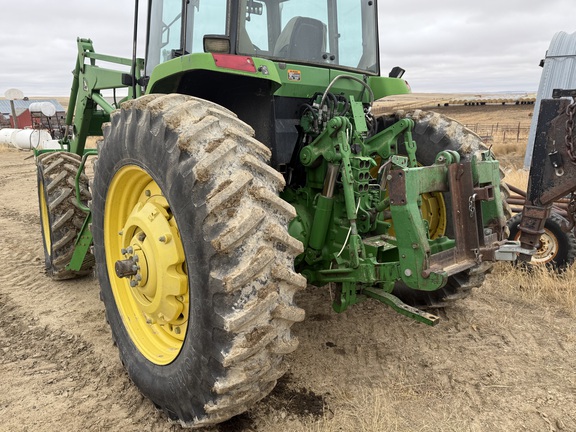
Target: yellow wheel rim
(146,265)
(433,210)
(45,218)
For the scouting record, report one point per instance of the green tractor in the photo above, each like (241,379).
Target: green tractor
(244,164)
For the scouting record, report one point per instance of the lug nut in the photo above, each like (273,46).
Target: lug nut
(165,238)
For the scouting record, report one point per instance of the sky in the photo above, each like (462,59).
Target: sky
(447,46)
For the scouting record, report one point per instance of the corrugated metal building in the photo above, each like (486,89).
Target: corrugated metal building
(23,105)
(559,72)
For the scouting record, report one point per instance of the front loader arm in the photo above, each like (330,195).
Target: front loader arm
(88,109)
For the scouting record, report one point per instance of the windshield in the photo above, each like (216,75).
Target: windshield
(341,33)
(165,35)
(336,32)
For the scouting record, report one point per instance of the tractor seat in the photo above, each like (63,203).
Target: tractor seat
(302,39)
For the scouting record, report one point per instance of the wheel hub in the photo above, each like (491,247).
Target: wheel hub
(547,248)
(156,285)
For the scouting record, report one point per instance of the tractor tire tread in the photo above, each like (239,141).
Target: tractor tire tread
(251,257)
(57,172)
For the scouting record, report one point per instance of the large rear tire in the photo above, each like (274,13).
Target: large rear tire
(61,219)
(434,133)
(184,197)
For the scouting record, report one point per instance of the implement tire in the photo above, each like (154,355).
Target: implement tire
(556,250)
(61,219)
(434,133)
(183,196)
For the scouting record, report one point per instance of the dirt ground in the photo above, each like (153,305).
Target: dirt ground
(494,363)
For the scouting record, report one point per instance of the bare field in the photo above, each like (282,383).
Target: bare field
(503,359)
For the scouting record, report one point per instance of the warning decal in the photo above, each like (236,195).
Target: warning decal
(294,75)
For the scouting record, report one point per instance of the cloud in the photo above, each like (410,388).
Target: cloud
(38,41)
(445,45)
(456,46)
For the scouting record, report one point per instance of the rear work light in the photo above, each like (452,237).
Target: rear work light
(217,44)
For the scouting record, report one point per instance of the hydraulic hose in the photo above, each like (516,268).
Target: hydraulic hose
(350,77)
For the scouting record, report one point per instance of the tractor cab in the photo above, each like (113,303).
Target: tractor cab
(331,33)
(265,60)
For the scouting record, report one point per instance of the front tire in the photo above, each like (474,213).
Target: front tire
(61,219)
(183,195)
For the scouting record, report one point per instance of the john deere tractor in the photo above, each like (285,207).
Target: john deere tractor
(244,164)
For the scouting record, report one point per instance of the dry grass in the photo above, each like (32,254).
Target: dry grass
(367,410)
(540,285)
(517,177)
(92,141)
(387,409)
(509,147)
(361,409)
(380,408)
(509,150)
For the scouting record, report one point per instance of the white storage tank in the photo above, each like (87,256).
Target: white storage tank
(46,108)
(6,136)
(26,139)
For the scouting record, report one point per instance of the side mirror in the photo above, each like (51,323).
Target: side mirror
(396,72)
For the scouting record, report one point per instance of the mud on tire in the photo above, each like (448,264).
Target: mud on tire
(61,218)
(239,257)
